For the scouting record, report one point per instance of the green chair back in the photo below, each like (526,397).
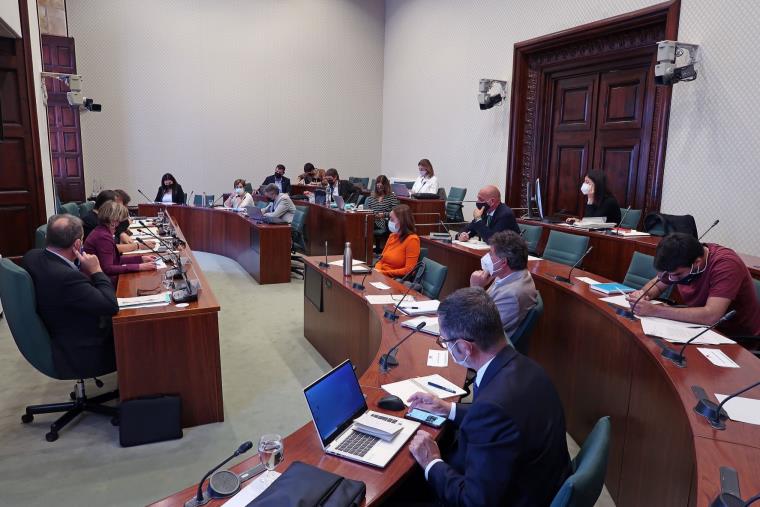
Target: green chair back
(198,200)
(757,288)
(640,271)
(454,204)
(565,248)
(248,188)
(86,207)
(27,328)
(298,229)
(71,208)
(521,337)
(630,219)
(433,278)
(362,182)
(261,204)
(532,235)
(58,208)
(423,253)
(583,487)
(39,236)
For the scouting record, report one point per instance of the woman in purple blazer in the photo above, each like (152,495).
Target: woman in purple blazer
(101,243)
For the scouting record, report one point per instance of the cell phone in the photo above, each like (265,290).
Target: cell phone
(426,418)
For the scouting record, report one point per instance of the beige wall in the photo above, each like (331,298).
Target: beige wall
(52,17)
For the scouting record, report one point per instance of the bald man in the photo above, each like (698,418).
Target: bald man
(490,216)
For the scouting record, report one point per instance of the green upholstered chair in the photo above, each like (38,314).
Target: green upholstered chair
(640,271)
(362,182)
(454,204)
(630,218)
(248,188)
(261,204)
(298,240)
(86,207)
(423,253)
(565,248)
(34,343)
(432,279)
(198,200)
(532,235)
(71,208)
(39,236)
(521,337)
(757,287)
(583,487)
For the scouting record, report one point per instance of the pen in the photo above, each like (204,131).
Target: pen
(433,384)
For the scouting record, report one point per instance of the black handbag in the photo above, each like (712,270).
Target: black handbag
(665,224)
(303,485)
(150,419)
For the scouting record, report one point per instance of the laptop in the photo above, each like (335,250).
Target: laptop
(400,190)
(335,400)
(254,213)
(339,202)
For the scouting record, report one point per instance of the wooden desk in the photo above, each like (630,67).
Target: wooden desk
(371,336)
(426,211)
(170,350)
(337,227)
(262,249)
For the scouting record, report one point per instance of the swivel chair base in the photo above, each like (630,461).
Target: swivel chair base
(79,404)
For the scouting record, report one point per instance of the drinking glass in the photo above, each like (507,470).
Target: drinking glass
(271,451)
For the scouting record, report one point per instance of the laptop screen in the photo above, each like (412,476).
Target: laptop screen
(335,400)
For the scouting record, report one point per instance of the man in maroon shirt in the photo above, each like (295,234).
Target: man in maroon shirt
(711,280)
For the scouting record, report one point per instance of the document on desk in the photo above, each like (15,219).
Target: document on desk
(339,263)
(532,258)
(161,299)
(746,410)
(438,358)
(622,301)
(254,488)
(718,357)
(419,307)
(387,299)
(404,389)
(587,280)
(431,325)
(379,285)
(630,234)
(681,332)
(474,246)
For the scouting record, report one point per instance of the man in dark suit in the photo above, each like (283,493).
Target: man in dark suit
(490,216)
(336,186)
(511,447)
(75,300)
(279,179)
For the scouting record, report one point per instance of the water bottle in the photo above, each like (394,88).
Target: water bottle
(204,200)
(347,260)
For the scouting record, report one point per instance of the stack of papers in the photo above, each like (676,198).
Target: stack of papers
(622,301)
(741,409)
(387,299)
(532,258)
(406,388)
(382,427)
(161,299)
(630,233)
(431,325)
(475,246)
(339,263)
(419,307)
(681,332)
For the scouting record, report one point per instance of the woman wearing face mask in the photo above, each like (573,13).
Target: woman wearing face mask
(239,198)
(402,250)
(381,202)
(101,243)
(599,201)
(426,182)
(170,191)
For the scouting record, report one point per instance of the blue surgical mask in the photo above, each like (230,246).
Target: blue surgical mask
(392,226)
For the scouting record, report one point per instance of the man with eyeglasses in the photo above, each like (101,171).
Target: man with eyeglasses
(711,280)
(511,447)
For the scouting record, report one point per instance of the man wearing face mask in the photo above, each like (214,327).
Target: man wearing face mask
(510,447)
(711,280)
(490,216)
(280,209)
(75,300)
(509,283)
(279,179)
(335,186)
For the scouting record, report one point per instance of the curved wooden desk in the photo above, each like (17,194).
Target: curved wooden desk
(349,327)
(262,249)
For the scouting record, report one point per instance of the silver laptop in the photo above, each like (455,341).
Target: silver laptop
(400,190)
(255,213)
(335,400)
(339,202)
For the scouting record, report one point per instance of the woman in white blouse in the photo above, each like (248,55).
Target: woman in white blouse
(239,198)
(426,183)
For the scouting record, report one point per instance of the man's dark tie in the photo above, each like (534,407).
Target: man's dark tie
(488,220)
(474,390)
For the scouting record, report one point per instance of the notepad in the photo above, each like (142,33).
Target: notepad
(419,307)
(611,288)
(387,299)
(533,258)
(431,325)
(718,357)
(161,299)
(474,246)
(680,332)
(746,410)
(406,388)
(622,301)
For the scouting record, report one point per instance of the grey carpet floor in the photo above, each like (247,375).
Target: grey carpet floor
(266,361)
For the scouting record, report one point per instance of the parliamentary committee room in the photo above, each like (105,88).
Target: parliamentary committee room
(351,253)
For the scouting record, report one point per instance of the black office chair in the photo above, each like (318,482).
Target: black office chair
(298,241)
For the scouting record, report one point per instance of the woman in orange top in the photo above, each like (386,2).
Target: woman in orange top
(402,250)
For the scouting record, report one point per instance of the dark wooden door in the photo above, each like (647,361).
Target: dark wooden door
(22,203)
(58,55)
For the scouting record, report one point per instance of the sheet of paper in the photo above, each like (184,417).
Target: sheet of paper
(680,332)
(419,307)
(339,262)
(718,358)
(379,285)
(586,279)
(160,264)
(740,409)
(533,258)
(622,301)
(431,324)
(387,299)
(631,234)
(474,246)
(253,489)
(438,358)
(404,389)
(152,299)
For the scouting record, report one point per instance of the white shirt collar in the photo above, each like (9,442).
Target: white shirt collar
(74,266)
(482,371)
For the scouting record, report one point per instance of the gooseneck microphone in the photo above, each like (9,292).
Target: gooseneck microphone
(388,360)
(200,498)
(151,201)
(324,264)
(677,357)
(213,204)
(189,200)
(708,230)
(568,279)
(392,315)
(714,413)
(360,286)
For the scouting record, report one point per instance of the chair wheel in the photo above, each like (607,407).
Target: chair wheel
(73,395)
(51,436)
(115,421)
(27,418)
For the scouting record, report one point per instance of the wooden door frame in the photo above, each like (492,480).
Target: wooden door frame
(610,38)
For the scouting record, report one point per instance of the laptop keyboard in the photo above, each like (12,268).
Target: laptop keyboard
(358,444)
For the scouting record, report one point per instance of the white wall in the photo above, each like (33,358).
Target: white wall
(9,13)
(436,51)
(213,90)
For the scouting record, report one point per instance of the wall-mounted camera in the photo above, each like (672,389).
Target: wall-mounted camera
(675,62)
(492,92)
(74,96)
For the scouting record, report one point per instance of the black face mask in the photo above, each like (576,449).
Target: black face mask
(482,205)
(686,280)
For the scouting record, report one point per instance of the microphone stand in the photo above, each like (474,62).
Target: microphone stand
(150,201)
(360,286)
(708,230)
(714,413)
(568,279)
(388,360)
(324,264)
(200,498)
(678,358)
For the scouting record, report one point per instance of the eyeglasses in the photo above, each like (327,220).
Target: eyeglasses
(442,343)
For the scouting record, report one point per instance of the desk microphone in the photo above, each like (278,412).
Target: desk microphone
(714,412)
(360,286)
(213,204)
(568,279)
(151,201)
(202,498)
(391,315)
(730,493)
(708,230)
(190,198)
(677,357)
(622,219)
(389,360)
(324,264)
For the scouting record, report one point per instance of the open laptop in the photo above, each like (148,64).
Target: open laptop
(339,202)
(335,400)
(400,190)
(254,213)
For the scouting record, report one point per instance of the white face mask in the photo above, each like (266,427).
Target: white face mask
(392,226)
(459,362)
(585,189)
(239,191)
(486,262)
(423,174)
